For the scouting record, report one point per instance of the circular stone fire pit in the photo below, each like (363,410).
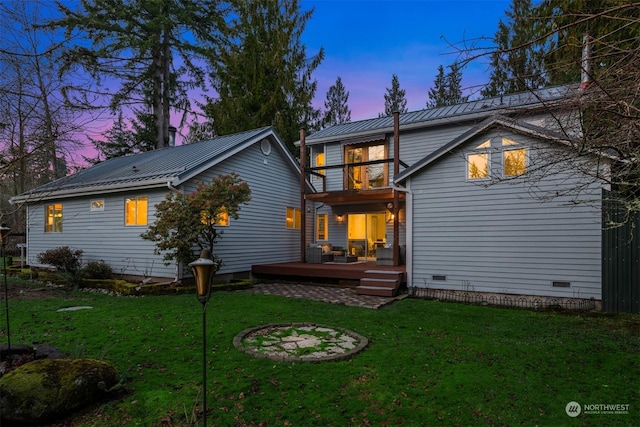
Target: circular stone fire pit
(300,342)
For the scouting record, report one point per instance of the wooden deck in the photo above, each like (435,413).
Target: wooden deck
(327,272)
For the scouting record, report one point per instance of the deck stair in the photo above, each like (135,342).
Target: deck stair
(380,283)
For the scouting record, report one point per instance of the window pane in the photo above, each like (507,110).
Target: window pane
(141,208)
(135,211)
(130,212)
(320,162)
(53,222)
(222,219)
(515,162)
(478,166)
(298,219)
(321,227)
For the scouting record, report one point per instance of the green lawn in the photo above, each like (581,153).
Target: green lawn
(428,363)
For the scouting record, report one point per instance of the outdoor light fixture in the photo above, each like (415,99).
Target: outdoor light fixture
(4,232)
(340,218)
(203,270)
(390,206)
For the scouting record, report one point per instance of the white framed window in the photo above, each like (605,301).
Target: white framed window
(477,166)
(135,211)
(294,218)
(96,206)
(478,162)
(514,159)
(53,216)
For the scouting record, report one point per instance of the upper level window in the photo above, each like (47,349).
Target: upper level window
(514,160)
(320,162)
(135,211)
(293,218)
(53,214)
(478,163)
(362,177)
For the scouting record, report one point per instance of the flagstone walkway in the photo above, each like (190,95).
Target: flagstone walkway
(330,294)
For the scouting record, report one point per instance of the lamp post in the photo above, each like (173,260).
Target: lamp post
(4,232)
(203,269)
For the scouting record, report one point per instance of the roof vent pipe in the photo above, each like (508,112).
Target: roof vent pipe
(172,136)
(587,60)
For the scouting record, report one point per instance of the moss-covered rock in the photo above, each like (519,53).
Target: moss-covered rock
(47,389)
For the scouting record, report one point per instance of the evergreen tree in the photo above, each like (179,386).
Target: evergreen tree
(262,73)
(563,24)
(454,86)
(338,111)
(447,89)
(516,63)
(134,42)
(123,140)
(438,93)
(394,99)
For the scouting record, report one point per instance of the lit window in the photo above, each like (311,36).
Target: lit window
(322,227)
(478,166)
(221,220)
(363,177)
(136,211)
(293,218)
(514,161)
(53,214)
(97,205)
(320,162)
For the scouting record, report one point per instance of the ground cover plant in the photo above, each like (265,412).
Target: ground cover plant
(427,363)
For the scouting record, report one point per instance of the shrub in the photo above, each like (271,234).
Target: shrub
(64,258)
(98,270)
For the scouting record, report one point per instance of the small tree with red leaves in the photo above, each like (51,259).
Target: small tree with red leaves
(189,223)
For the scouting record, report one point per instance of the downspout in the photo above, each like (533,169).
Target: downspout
(303,190)
(396,194)
(175,190)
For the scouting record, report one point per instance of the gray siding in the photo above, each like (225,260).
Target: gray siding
(259,235)
(417,144)
(102,235)
(500,238)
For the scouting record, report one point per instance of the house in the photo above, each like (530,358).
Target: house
(103,209)
(451,190)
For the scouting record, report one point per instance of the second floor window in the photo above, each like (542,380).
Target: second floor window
(362,177)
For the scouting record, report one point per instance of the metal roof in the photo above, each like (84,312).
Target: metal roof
(157,167)
(491,122)
(481,109)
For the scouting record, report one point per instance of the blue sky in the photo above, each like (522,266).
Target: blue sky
(367,41)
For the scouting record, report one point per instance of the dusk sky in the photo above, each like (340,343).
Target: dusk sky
(367,41)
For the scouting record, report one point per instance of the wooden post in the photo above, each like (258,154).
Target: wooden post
(303,190)
(396,194)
